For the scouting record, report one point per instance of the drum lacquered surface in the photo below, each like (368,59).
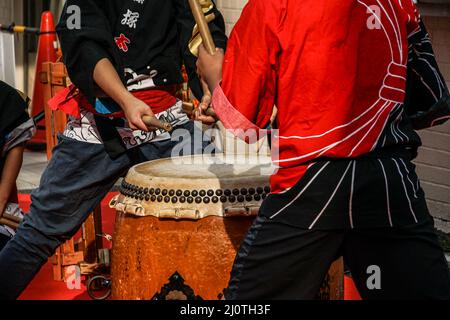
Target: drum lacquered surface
(152,257)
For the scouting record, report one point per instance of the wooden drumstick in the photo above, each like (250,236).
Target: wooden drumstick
(203,27)
(12,218)
(207,39)
(9,223)
(156,123)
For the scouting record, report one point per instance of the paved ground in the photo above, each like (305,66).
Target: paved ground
(34,164)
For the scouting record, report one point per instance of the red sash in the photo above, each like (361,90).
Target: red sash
(71,99)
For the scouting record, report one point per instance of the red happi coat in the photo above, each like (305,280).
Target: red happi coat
(336,70)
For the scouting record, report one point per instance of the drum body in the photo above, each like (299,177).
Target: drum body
(180,223)
(168,259)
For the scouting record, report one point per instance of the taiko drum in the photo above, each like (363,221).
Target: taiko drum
(179,225)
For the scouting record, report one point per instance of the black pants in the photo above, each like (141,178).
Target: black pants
(281,261)
(3,241)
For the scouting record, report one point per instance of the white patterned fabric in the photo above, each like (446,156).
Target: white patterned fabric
(85,129)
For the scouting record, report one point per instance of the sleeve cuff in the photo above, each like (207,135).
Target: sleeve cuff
(233,120)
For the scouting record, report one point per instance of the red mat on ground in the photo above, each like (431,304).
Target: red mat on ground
(43,287)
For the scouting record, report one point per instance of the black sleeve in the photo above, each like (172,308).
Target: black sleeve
(189,41)
(427,97)
(13,109)
(83,48)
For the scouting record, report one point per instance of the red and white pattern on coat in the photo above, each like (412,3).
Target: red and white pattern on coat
(361,134)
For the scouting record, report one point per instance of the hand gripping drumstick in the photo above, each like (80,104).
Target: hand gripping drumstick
(154,122)
(207,38)
(11,218)
(149,121)
(9,223)
(189,108)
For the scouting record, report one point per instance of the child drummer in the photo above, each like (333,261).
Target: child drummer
(131,52)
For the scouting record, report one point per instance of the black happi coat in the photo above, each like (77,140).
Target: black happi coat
(157,39)
(142,38)
(13,113)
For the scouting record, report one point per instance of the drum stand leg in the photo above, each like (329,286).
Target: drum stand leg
(96,260)
(91,242)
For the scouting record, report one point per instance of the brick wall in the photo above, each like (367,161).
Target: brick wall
(231,10)
(433,163)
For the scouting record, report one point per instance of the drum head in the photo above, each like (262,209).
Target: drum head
(206,167)
(196,186)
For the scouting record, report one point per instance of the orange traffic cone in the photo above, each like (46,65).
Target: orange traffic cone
(350,291)
(47,52)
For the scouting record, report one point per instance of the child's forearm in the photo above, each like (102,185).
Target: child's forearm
(9,175)
(109,81)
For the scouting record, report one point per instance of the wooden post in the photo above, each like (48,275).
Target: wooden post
(54,77)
